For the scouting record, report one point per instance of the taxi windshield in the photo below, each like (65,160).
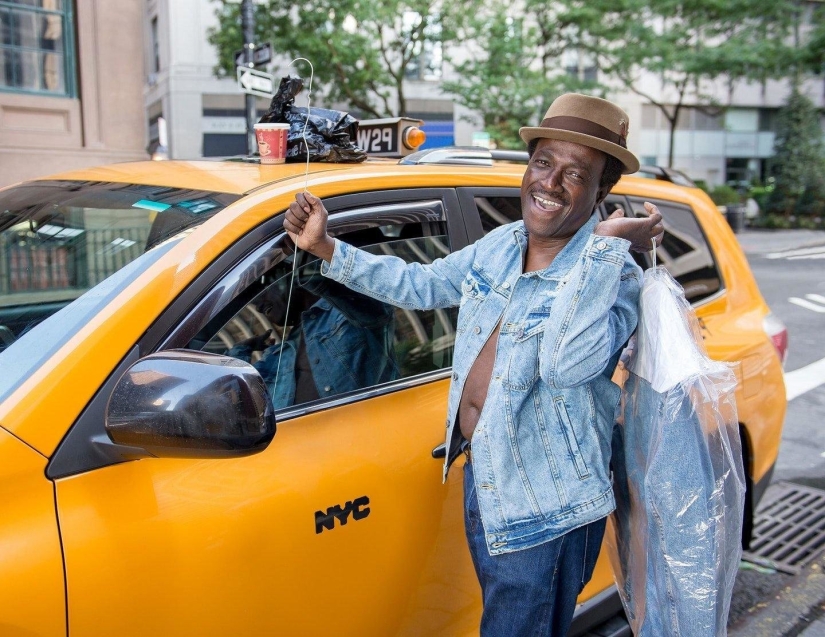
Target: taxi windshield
(61,240)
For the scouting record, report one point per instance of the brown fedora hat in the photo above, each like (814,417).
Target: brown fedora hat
(589,121)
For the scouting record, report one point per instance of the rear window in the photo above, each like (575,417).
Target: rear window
(60,240)
(685,251)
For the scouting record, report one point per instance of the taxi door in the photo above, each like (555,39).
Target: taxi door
(342,524)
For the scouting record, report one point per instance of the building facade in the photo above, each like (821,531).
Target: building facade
(71,85)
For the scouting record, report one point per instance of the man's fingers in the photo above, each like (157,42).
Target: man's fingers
(308,202)
(292,228)
(618,213)
(297,212)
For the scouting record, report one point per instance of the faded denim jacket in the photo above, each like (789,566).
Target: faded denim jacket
(348,340)
(542,444)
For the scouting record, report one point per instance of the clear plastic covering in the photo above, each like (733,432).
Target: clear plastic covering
(678,475)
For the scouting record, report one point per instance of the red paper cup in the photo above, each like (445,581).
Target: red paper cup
(272,142)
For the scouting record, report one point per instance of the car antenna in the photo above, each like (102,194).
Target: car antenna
(306,182)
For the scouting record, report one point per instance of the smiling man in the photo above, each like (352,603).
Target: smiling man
(545,307)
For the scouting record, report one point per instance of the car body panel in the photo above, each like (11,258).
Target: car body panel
(32,586)
(219,547)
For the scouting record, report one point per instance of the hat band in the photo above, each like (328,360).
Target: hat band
(584,126)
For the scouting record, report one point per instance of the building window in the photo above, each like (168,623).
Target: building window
(37,46)
(155,46)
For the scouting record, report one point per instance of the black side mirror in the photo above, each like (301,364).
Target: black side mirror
(183,403)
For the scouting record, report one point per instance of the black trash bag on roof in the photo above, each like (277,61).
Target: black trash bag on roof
(330,134)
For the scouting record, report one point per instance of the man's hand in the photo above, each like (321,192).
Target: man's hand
(640,231)
(306,223)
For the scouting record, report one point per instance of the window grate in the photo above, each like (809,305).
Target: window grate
(789,531)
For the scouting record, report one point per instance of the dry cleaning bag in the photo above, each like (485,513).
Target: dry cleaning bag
(678,476)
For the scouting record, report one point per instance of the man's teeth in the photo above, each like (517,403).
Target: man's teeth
(547,202)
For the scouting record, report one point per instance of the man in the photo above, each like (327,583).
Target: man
(546,305)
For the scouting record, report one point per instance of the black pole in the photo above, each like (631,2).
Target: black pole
(248,25)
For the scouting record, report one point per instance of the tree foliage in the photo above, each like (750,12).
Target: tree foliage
(674,53)
(513,67)
(361,49)
(798,160)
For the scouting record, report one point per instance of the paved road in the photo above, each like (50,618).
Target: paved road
(790,269)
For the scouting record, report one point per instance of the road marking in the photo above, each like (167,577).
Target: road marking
(804,379)
(817,298)
(820,255)
(793,253)
(807,304)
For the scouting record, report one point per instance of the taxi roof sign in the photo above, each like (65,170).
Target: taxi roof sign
(390,136)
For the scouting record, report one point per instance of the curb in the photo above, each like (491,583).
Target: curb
(792,610)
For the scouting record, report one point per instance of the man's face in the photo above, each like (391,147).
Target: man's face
(561,189)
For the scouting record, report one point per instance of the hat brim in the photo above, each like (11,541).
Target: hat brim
(628,159)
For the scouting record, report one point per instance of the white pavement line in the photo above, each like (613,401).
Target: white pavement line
(804,379)
(791,253)
(818,298)
(807,304)
(820,255)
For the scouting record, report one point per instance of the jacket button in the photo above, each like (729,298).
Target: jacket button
(327,388)
(505,285)
(601,245)
(477,329)
(455,376)
(521,332)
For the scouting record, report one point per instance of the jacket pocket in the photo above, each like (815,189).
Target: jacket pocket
(523,366)
(570,437)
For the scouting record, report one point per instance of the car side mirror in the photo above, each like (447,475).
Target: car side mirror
(189,404)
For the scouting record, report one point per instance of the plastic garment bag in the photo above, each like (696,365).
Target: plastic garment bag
(678,475)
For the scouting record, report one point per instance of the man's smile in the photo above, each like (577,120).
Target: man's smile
(549,205)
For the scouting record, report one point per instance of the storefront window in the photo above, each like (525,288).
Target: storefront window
(36,48)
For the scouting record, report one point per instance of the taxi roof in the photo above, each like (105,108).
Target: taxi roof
(239,177)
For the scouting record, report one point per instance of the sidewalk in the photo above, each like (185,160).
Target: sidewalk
(797,609)
(765,241)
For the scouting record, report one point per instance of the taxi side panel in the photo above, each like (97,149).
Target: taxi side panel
(32,597)
(237,547)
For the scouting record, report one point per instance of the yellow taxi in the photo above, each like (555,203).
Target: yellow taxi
(155,479)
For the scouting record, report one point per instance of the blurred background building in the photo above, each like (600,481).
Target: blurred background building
(88,82)
(71,85)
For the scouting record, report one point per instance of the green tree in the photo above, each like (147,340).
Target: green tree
(512,66)
(497,80)
(675,53)
(362,50)
(798,160)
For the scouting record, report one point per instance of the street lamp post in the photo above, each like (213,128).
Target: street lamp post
(248,26)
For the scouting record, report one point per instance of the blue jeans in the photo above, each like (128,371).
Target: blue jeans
(532,591)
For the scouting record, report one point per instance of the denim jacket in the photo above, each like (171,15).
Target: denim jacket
(542,444)
(348,341)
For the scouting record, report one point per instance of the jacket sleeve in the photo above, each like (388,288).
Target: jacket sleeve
(593,315)
(414,286)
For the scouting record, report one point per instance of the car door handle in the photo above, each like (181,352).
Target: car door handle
(440,451)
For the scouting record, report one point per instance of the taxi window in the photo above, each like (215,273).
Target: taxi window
(498,211)
(325,340)
(685,251)
(59,239)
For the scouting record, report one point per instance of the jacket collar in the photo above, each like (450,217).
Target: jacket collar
(569,255)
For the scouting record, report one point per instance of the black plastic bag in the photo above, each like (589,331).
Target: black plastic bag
(329,134)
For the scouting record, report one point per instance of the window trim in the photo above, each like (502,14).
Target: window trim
(69,57)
